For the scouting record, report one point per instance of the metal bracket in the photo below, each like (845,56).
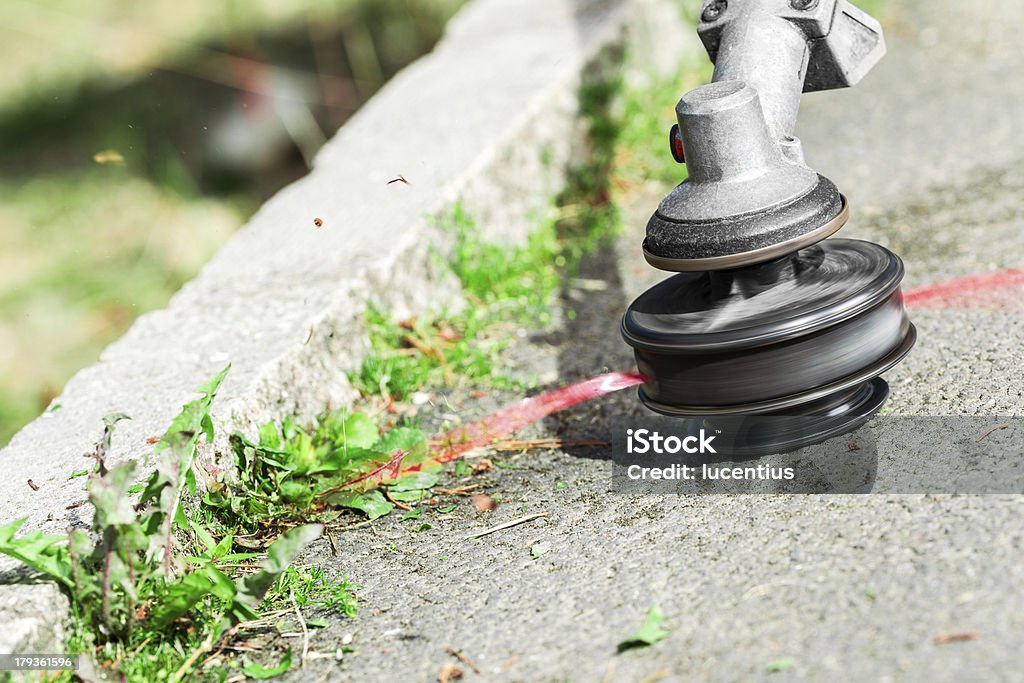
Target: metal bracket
(785,47)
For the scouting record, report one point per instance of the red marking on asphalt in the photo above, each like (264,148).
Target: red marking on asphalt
(987,290)
(460,440)
(974,291)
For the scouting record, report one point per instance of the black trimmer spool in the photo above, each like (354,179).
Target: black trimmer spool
(807,334)
(750,436)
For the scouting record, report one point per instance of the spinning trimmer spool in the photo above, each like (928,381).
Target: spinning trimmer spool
(764,317)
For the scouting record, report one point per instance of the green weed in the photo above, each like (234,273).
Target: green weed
(151,589)
(290,475)
(505,286)
(310,587)
(405,356)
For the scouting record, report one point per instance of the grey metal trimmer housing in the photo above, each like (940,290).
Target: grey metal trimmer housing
(766,316)
(750,197)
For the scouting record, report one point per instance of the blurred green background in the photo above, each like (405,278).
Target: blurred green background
(135,137)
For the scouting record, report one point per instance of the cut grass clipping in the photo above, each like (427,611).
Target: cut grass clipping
(156,594)
(649,633)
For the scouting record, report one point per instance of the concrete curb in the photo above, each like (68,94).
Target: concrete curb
(283,300)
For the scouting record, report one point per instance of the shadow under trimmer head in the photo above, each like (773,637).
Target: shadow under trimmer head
(764,317)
